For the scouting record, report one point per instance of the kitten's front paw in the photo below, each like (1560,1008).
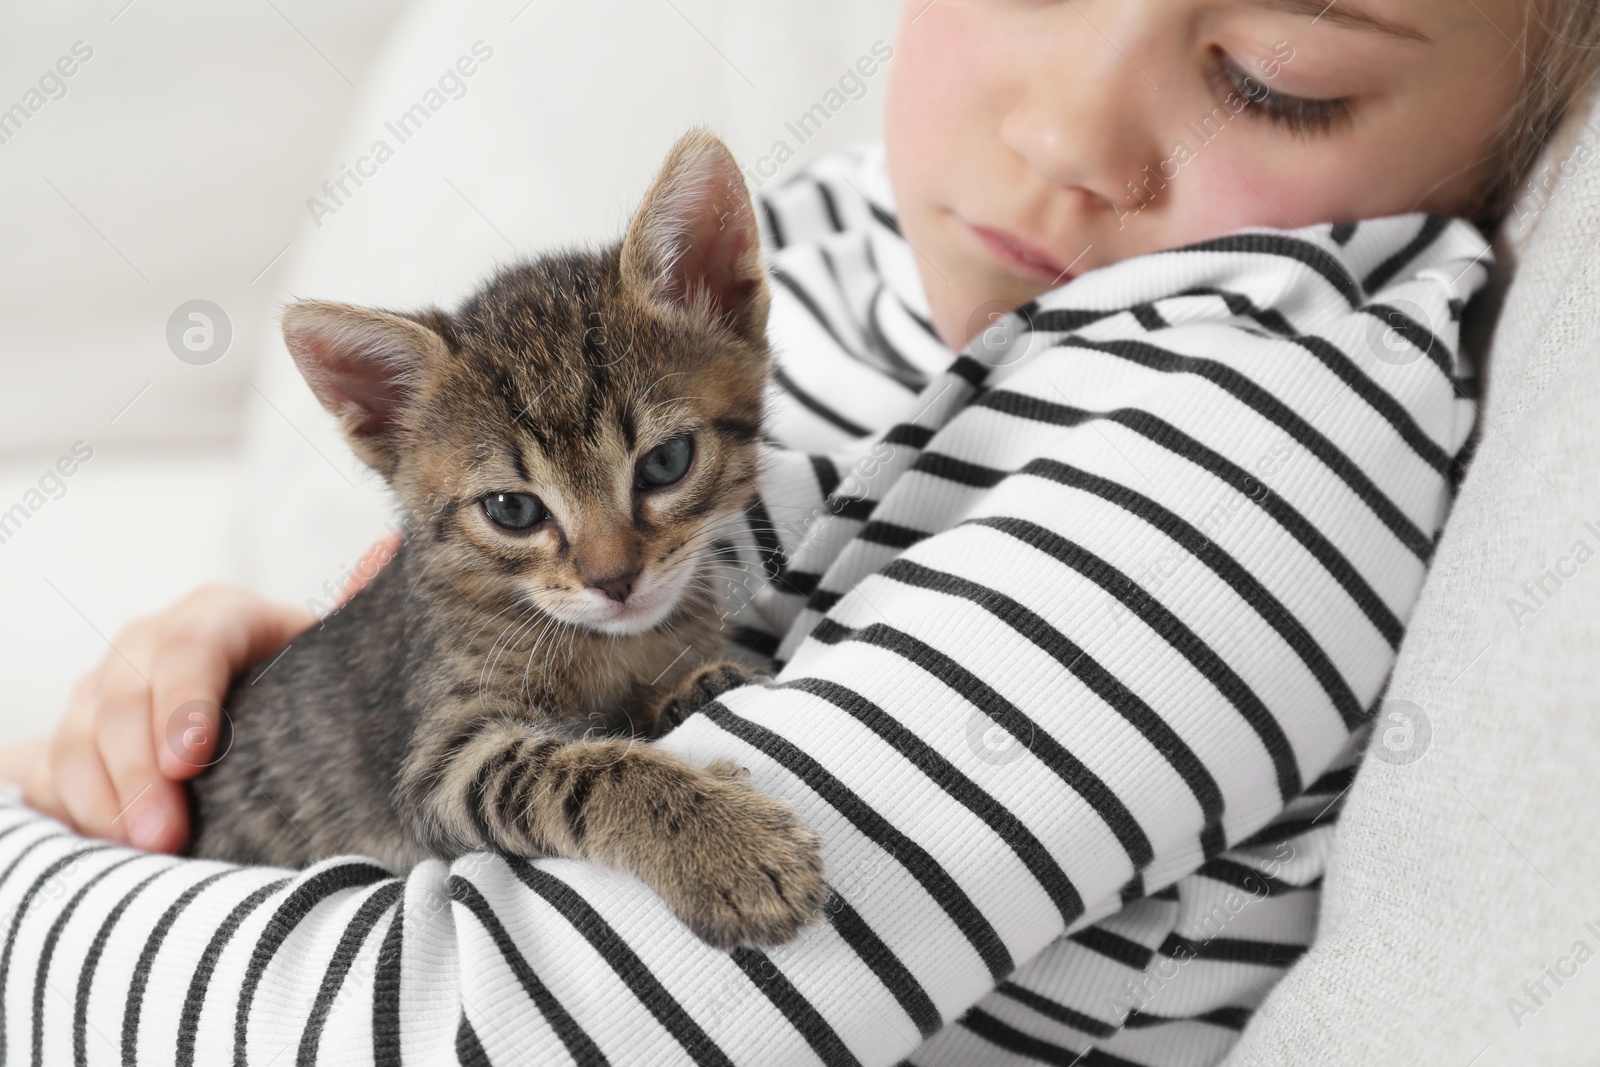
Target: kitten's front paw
(707,683)
(743,870)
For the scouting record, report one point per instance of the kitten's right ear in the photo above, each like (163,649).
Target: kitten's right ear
(365,366)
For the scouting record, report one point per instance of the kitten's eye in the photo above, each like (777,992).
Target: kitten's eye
(514,511)
(667,462)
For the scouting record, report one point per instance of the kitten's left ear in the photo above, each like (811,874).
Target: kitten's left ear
(694,243)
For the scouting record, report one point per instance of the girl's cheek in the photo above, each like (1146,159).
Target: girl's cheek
(931,77)
(1217,195)
(909,131)
(940,118)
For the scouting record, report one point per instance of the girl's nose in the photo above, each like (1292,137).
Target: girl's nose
(1084,114)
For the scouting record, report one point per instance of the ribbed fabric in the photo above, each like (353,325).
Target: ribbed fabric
(1080,630)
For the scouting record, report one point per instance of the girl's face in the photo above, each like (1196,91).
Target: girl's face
(1031,140)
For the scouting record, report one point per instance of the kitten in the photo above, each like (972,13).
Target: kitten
(568,446)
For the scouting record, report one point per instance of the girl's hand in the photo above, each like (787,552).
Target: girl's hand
(146,719)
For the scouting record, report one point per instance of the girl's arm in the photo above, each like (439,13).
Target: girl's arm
(1104,605)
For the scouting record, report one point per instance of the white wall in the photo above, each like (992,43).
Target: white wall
(174,167)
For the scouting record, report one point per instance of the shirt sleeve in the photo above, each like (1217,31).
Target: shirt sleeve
(1118,586)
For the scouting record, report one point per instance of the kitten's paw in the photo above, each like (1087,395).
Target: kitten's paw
(727,770)
(713,679)
(707,683)
(745,870)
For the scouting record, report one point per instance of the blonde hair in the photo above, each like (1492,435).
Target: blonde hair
(1560,48)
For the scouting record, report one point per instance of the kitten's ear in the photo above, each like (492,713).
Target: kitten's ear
(694,243)
(365,366)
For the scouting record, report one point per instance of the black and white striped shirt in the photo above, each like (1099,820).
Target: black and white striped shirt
(1081,630)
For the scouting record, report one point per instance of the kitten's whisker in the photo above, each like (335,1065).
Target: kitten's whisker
(486,623)
(533,652)
(664,377)
(484,670)
(776,506)
(515,603)
(675,400)
(530,617)
(556,646)
(501,645)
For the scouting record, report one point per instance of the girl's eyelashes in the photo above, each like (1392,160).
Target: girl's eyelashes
(1297,114)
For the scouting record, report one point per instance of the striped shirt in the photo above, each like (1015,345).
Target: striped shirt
(1081,631)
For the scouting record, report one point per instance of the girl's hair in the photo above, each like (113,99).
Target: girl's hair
(1560,47)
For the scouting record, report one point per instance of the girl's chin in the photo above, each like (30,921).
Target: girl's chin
(979,306)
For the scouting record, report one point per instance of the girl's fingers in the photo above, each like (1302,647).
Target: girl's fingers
(27,764)
(151,812)
(75,734)
(189,682)
(39,790)
(211,637)
(122,739)
(82,784)
(217,635)
(17,759)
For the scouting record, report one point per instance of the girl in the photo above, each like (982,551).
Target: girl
(1085,643)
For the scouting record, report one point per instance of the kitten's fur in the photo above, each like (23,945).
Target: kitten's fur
(483,691)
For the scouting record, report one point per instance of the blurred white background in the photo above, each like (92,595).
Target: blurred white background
(176,164)
(173,168)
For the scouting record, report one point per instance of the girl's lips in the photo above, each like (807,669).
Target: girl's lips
(1020,255)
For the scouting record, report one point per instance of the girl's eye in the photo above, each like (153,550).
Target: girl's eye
(515,512)
(666,463)
(1297,114)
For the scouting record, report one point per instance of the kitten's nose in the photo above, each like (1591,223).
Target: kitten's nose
(617,586)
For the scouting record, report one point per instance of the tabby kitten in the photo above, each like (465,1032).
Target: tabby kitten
(568,446)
